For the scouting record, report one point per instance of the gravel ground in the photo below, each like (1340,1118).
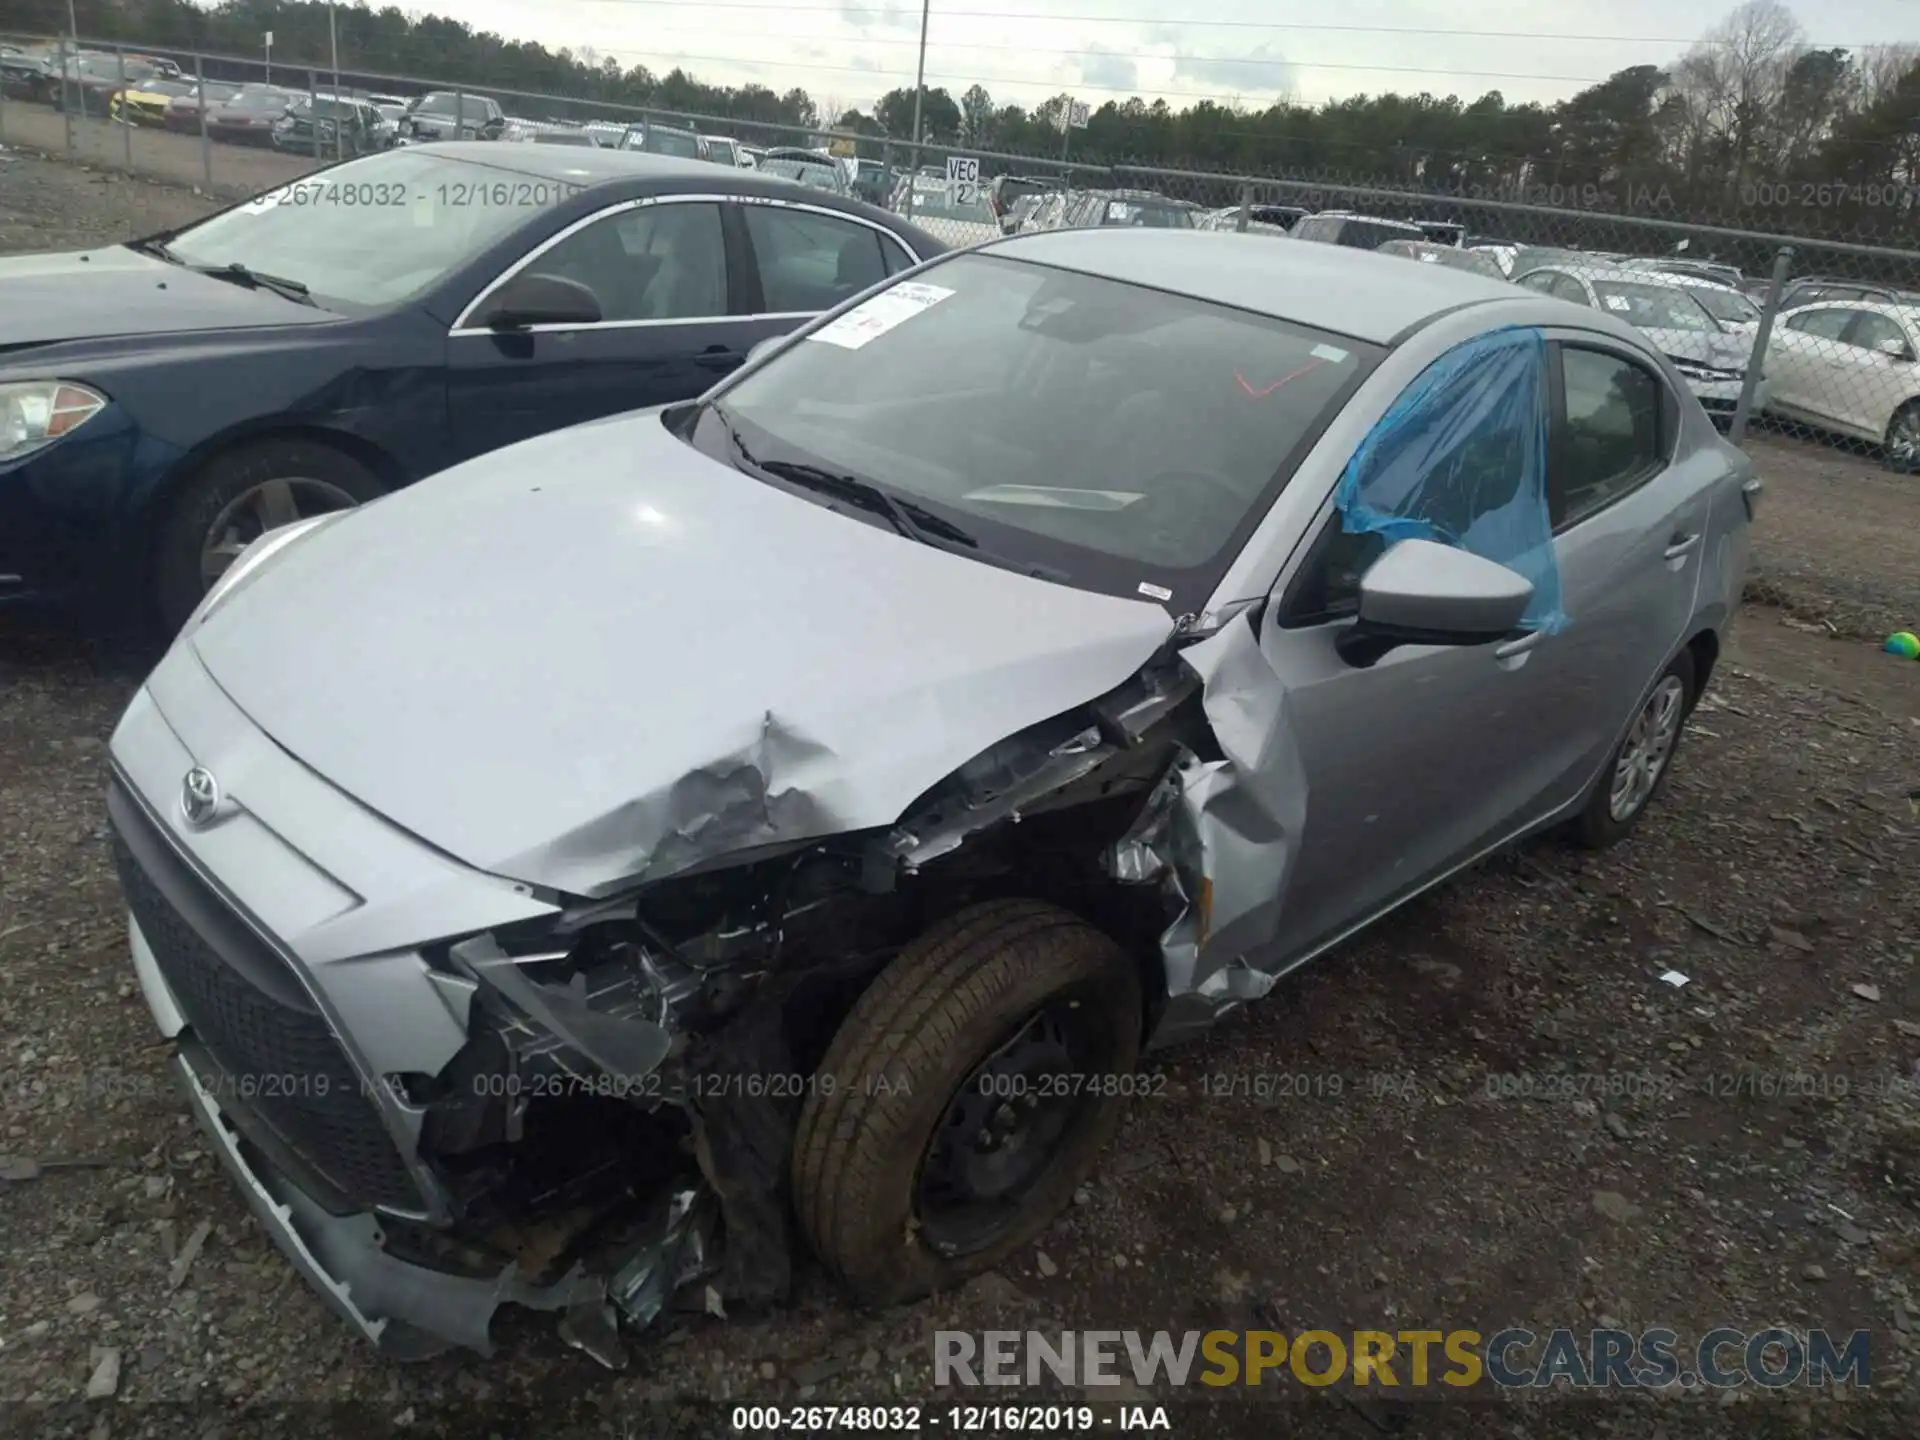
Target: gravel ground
(1742,1151)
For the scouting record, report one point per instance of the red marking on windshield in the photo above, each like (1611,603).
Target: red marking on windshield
(1262,394)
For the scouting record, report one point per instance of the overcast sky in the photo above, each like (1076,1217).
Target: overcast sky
(1023,51)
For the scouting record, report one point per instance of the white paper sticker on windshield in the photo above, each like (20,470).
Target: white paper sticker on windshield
(873,318)
(1617,302)
(1331,353)
(1120,210)
(1155,592)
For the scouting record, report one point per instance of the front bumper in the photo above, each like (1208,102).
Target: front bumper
(1722,397)
(406,1310)
(69,513)
(295,1005)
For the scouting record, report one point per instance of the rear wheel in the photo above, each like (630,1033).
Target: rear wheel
(236,499)
(1902,450)
(1640,765)
(966,1094)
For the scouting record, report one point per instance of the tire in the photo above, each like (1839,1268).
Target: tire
(322,477)
(866,1145)
(1901,451)
(1600,824)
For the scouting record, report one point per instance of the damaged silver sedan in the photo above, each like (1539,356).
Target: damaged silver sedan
(594,876)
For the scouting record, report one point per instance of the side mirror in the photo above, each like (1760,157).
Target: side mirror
(1421,592)
(1897,349)
(542,300)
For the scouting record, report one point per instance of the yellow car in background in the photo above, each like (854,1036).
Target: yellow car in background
(145,102)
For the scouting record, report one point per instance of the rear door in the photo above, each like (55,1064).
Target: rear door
(801,260)
(1816,362)
(674,308)
(1883,372)
(1629,535)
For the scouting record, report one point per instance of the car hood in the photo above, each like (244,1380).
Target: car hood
(98,294)
(599,656)
(1725,349)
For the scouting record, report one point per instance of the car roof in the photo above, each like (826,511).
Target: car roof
(1908,313)
(1613,273)
(1361,293)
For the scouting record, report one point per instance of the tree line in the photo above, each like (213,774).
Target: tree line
(1750,126)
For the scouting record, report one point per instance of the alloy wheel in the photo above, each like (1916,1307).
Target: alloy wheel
(1648,746)
(260,508)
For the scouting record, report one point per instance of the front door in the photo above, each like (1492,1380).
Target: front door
(671,324)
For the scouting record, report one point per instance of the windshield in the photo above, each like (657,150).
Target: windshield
(1154,214)
(1121,437)
(374,231)
(933,200)
(821,177)
(1652,307)
(258,100)
(661,141)
(1724,305)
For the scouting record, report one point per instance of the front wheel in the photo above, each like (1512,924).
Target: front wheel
(965,1096)
(1642,760)
(236,499)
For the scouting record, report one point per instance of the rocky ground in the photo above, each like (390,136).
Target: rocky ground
(1492,1110)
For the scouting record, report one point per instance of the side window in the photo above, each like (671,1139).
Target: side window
(1821,324)
(659,262)
(809,261)
(1328,585)
(1541,280)
(1875,332)
(1568,288)
(1609,441)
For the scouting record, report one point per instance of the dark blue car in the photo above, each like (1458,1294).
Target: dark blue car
(164,402)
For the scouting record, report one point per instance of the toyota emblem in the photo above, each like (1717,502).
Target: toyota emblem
(199,796)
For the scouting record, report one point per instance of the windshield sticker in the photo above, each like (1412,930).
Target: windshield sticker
(1617,302)
(873,318)
(1119,210)
(1155,592)
(1266,390)
(1329,352)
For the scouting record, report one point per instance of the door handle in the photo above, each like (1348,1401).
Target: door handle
(1519,647)
(1681,545)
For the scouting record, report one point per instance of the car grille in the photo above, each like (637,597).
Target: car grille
(281,1060)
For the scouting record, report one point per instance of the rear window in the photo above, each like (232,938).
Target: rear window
(1153,214)
(660,141)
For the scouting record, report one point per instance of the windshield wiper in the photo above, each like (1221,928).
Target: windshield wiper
(910,520)
(156,246)
(254,280)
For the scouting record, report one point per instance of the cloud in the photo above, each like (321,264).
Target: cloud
(1109,71)
(1263,70)
(864,15)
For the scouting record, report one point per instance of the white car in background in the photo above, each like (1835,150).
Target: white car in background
(1712,358)
(1730,306)
(1853,369)
(957,212)
(1501,255)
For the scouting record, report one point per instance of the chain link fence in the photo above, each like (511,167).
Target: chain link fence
(1809,337)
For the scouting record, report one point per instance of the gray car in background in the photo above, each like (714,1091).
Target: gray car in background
(841,778)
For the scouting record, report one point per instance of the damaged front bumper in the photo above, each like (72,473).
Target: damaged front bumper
(408,1310)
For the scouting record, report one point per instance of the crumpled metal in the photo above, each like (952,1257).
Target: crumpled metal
(1219,836)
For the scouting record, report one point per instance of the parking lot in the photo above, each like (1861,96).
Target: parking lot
(1488,1111)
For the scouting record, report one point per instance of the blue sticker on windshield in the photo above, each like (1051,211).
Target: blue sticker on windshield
(1461,458)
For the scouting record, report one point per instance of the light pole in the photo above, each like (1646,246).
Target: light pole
(919,90)
(339,117)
